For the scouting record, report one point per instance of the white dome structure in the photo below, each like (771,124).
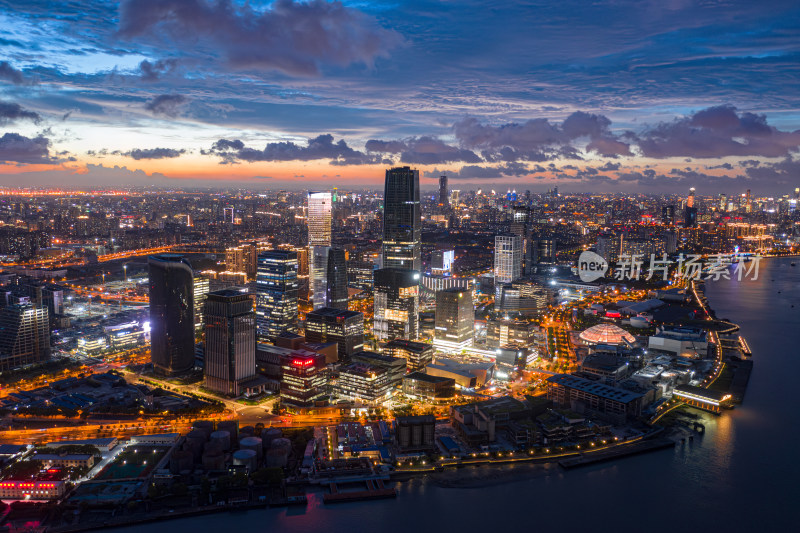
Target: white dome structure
(607,334)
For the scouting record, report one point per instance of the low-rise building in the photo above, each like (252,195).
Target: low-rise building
(586,397)
(69,460)
(417,354)
(428,387)
(31,490)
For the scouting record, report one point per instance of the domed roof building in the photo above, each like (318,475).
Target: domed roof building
(607,334)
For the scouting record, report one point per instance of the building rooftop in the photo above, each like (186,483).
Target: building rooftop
(607,334)
(412,346)
(420,376)
(593,387)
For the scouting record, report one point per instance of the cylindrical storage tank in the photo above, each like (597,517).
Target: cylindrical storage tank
(206,426)
(281,444)
(252,443)
(246,457)
(181,460)
(195,441)
(247,431)
(269,435)
(277,458)
(222,437)
(232,427)
(213,446)
(214,460)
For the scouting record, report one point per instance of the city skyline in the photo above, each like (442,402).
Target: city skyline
(645,97)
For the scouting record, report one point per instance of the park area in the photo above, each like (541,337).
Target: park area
(136,461)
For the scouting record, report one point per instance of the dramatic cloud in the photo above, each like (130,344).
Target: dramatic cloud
(154,153)
(539,140)
(292,37)
(718,132)
(10,74)
(321,147)
(482,172)
(167,104)
(10,112)
(17,148)
(423,151)
(153,71)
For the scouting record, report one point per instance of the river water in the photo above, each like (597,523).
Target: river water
(742,475)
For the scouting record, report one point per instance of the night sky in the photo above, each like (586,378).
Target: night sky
(605,96)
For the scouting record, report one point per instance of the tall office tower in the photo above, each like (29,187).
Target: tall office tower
(748,202)
(244,258)
(396,304)
(345,328)
(797,193)
(442,262)
(276,294)
(545,250)
(670,242)
(668,215)
(319,242)
(336,276)
(24,334)
(402,221)
(200,287)
(608,247)
(723,202)
(171,314)
(228,214)
(455,197)
(690,216)
(507,258)
(230,341)
(444,197)
(690,199)
(455,319)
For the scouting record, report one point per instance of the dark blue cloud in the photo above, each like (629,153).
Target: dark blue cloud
(321,147)
(292,37)
(16,148)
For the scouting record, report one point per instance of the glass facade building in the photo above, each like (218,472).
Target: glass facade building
(402,221)
(172,314)
(276,294)
(396,304)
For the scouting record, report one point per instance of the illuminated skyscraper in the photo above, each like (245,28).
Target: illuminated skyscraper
(24,334)
(319,242)
(455,319)
(230,341)
(276,293)
(171,314)
(507,258)
(690,199)
(401,219)
(396,304)
(444,197)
